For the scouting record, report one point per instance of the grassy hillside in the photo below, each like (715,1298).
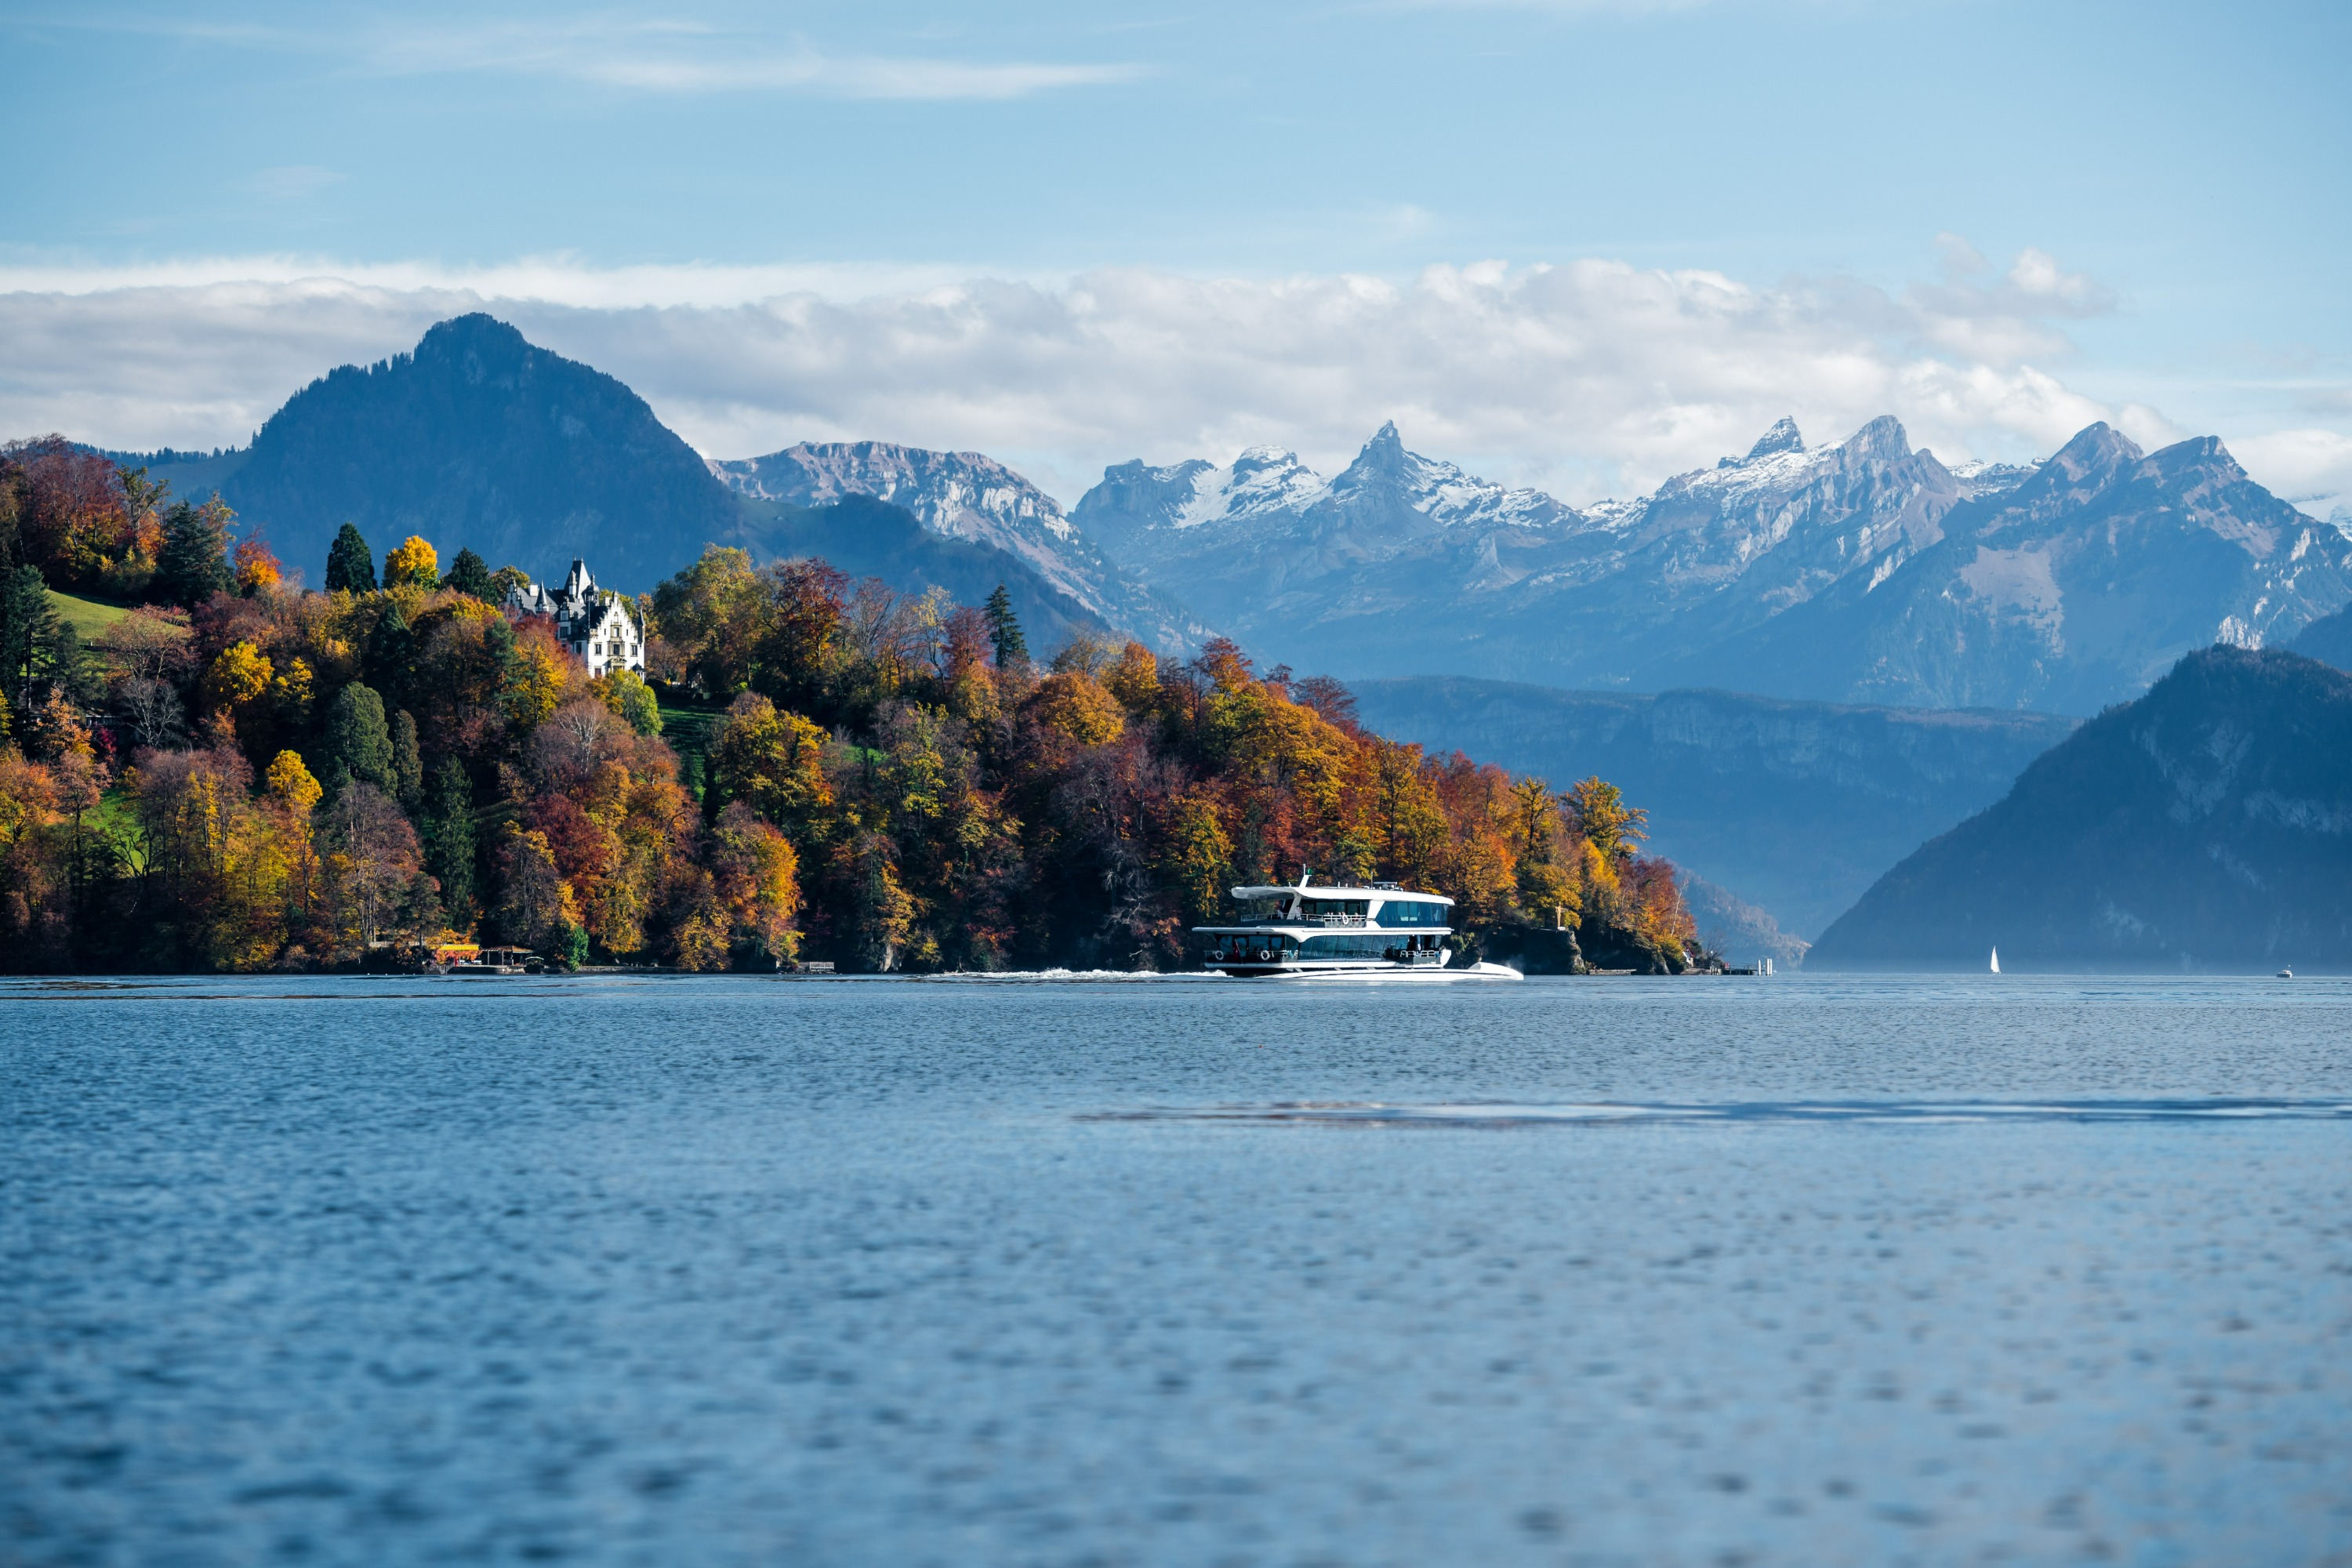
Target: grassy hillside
(88,617)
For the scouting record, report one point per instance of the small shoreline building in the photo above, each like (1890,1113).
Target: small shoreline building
(594,623)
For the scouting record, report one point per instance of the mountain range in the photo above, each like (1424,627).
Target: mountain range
(1860,571)
(1795,806)
(2206,825)
(480,439)
(969,496)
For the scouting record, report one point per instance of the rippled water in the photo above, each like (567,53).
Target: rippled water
(679,1271)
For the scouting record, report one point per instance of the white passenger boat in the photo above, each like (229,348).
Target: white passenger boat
(1300,931)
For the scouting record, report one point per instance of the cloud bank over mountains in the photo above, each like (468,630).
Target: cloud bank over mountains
(1588,378)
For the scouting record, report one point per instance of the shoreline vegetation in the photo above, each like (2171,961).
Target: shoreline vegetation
(205,767)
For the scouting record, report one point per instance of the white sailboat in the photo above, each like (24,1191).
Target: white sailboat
(1996,960)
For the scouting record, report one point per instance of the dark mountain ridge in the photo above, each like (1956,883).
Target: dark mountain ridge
(1794,805)
(2206,825)
(480,439)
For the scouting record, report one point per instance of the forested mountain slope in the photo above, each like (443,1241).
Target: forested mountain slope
(480,439)
(2207,826)
(1796,806)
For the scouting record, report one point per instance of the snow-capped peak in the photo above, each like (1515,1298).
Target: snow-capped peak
(1262,479)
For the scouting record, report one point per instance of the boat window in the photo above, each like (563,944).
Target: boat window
(1338,907)
(1412,912)
(1371,945)
(1246,947)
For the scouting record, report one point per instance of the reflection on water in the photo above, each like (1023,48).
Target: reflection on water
(637,1270)
(1503,1113)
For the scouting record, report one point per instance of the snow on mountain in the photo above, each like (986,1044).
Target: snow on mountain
(1857,571)
(1262,480)
(968,495)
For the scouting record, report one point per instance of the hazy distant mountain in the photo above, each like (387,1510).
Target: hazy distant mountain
(480,439)
(2328,640)
(2076,589)
(1795,806)
(2207,826)
(966,495)
(1864,571)
(1741,932)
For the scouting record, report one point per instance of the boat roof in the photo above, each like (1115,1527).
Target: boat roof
(1337,891)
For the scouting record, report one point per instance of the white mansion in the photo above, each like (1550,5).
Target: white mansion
(592,622)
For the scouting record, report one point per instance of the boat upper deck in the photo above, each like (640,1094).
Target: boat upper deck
(1383,905)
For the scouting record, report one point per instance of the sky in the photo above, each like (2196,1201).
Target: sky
(1581,244)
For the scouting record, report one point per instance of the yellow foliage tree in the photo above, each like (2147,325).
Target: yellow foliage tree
(1073,705)
(536,678)
(412,563)
(237,675)
(289,692)
(291,782)
(774,760)
(256,566)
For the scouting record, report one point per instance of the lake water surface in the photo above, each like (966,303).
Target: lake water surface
(649,1271)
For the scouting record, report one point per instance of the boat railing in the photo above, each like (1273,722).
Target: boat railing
(1341,920)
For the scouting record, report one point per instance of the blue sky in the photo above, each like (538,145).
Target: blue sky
(2025,213)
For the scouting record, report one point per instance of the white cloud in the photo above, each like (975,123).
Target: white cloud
(683,58)
(2311,467)
(667,55)
(1589,377)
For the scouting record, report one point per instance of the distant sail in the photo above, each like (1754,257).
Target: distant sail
(1996,960)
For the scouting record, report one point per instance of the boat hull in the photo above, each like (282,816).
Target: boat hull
(1412,973)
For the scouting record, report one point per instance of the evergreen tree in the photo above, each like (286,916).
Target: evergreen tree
(359,743)
(194,565)
(469,574)
(27,628)
(350,566)
(391,657)
(449,841)
(1004,630)
(407,764)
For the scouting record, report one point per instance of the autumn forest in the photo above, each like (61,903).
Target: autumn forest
(206,766)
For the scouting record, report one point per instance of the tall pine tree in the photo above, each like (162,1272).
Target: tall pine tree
(449,842)
(351,565)
(390,655)
(469,574)
(359,743)
(407,762)
(1004,630)
(29,623)
(194,565)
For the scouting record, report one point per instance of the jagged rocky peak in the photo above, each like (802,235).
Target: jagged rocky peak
(1979,477)
(1384,454)
(951,492)
(1883,441)
(2200,460)
(1783,437)
(2097,451)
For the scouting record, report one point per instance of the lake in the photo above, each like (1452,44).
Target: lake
(658,1270)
